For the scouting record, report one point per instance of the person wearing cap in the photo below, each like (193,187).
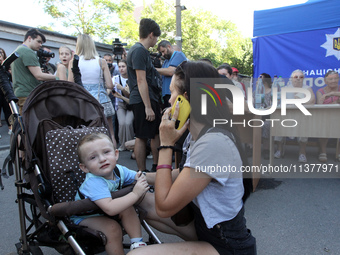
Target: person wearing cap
(234,77)
(235,73)
(226,70)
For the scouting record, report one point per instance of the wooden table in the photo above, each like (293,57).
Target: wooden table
(323,123)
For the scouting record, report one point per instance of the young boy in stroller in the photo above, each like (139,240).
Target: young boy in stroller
(98,158)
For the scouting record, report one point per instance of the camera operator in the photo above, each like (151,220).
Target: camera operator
(113,67)
(50,68)
(172,60)
(26,71)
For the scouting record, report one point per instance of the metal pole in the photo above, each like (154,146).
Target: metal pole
(76,247)
(178,37)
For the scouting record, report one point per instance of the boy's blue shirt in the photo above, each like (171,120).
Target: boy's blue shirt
(97,187)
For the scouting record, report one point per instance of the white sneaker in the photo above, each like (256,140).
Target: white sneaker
(137,245)
(149,156)
(277,154)
(302,158)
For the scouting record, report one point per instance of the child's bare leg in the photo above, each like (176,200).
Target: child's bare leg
(131,223)
(112,231)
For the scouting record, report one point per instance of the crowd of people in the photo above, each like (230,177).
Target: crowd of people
(133,98)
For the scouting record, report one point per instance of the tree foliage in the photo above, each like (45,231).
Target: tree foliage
(93,17)
(204,35)
(128,25)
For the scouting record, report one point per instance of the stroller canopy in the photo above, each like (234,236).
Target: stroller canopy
(65,102)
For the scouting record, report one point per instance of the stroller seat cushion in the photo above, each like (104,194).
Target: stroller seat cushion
(61,148)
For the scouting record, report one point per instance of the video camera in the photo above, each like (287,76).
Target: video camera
(118,49)
(155,59)
(43,55)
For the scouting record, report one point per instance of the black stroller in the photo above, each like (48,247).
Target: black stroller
(55,116)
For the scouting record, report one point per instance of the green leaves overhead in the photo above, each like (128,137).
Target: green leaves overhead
(204,34)
(95,17)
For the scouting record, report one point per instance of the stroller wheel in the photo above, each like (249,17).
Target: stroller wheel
(34,249)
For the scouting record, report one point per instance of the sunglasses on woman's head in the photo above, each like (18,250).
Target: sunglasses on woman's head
(331,72)
(180,67)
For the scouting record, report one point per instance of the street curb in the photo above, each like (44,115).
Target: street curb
(4,147)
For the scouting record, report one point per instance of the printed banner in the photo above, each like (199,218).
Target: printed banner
(313,52)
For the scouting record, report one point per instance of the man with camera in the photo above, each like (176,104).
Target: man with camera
(46,55)
(172,60)
(144,92)
(113,67)
(26,71)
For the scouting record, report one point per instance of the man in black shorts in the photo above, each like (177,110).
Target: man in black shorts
(144,92)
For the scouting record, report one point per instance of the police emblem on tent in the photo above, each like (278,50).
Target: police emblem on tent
(332,45)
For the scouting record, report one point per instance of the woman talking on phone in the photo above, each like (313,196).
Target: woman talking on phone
(216,197)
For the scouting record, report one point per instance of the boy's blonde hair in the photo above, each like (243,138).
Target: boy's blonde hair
(85,47)
(90,138)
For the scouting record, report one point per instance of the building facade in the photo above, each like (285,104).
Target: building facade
(12,35)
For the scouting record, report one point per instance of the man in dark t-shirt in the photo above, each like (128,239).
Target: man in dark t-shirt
(144,94)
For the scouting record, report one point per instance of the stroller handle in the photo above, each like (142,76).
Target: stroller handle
(5,85)
(8,61)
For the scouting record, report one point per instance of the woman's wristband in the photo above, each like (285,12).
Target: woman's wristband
(167,147)
(164,166)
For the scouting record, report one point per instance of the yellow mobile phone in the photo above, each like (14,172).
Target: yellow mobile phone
(184,111)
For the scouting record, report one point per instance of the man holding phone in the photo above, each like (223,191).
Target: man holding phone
(144,93)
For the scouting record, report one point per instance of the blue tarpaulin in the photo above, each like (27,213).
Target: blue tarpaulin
(304,36)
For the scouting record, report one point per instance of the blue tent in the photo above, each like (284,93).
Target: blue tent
(304,36)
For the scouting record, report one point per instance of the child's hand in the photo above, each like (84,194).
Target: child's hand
(141,186)
(140,175)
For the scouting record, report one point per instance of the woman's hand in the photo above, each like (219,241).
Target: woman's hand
(127,89)
(322,98)
(118,86)
(117,95)
(167,133)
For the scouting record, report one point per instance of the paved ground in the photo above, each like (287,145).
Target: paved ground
(287,216)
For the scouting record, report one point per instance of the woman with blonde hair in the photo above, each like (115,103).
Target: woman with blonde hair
(95,76)
(65,56)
